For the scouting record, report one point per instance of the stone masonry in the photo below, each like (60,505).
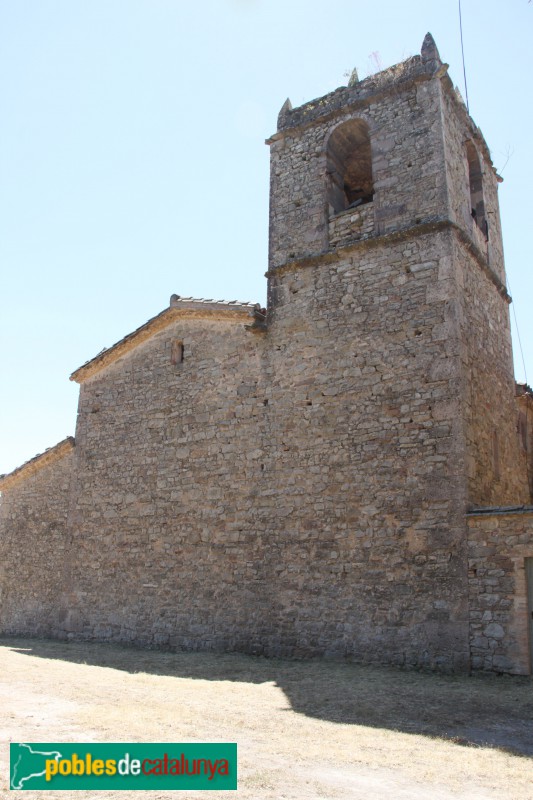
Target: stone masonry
(329,476)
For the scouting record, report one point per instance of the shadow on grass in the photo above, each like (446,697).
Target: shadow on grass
(482,710)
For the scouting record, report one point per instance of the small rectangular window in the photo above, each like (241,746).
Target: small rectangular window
(176,352)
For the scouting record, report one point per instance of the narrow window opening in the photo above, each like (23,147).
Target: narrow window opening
(349,167)
(475,179)
(176,352)
(522,430)
(496,455)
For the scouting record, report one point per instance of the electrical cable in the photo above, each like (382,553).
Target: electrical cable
(518,333)
(463,53)
(526,431)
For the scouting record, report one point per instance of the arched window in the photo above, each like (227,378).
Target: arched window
(349,166)
(475,178)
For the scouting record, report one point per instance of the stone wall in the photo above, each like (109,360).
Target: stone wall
(296,493)
(370,453)
(524,402)
(497,469)
(168,468)
(497,464)
(34,541)
(299,487)
(499,541)
(352,224)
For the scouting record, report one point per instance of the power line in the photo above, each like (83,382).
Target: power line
(526,432)
(463,53)
(518,332)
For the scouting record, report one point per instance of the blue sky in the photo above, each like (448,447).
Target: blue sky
(133,163)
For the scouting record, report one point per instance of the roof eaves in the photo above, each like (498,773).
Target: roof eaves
(186,308)
(36,463)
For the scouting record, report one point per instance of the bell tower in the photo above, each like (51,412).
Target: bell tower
(363,161)
(391,173)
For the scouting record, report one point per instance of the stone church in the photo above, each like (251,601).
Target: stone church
(346,473)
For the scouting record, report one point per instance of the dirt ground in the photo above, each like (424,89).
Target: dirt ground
(305,729)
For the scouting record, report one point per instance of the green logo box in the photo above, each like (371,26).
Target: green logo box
(111,767)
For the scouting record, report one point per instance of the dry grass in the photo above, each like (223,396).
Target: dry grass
(314,729)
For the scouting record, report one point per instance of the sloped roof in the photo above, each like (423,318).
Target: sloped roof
(180,307)
(523,390)
(37,462)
